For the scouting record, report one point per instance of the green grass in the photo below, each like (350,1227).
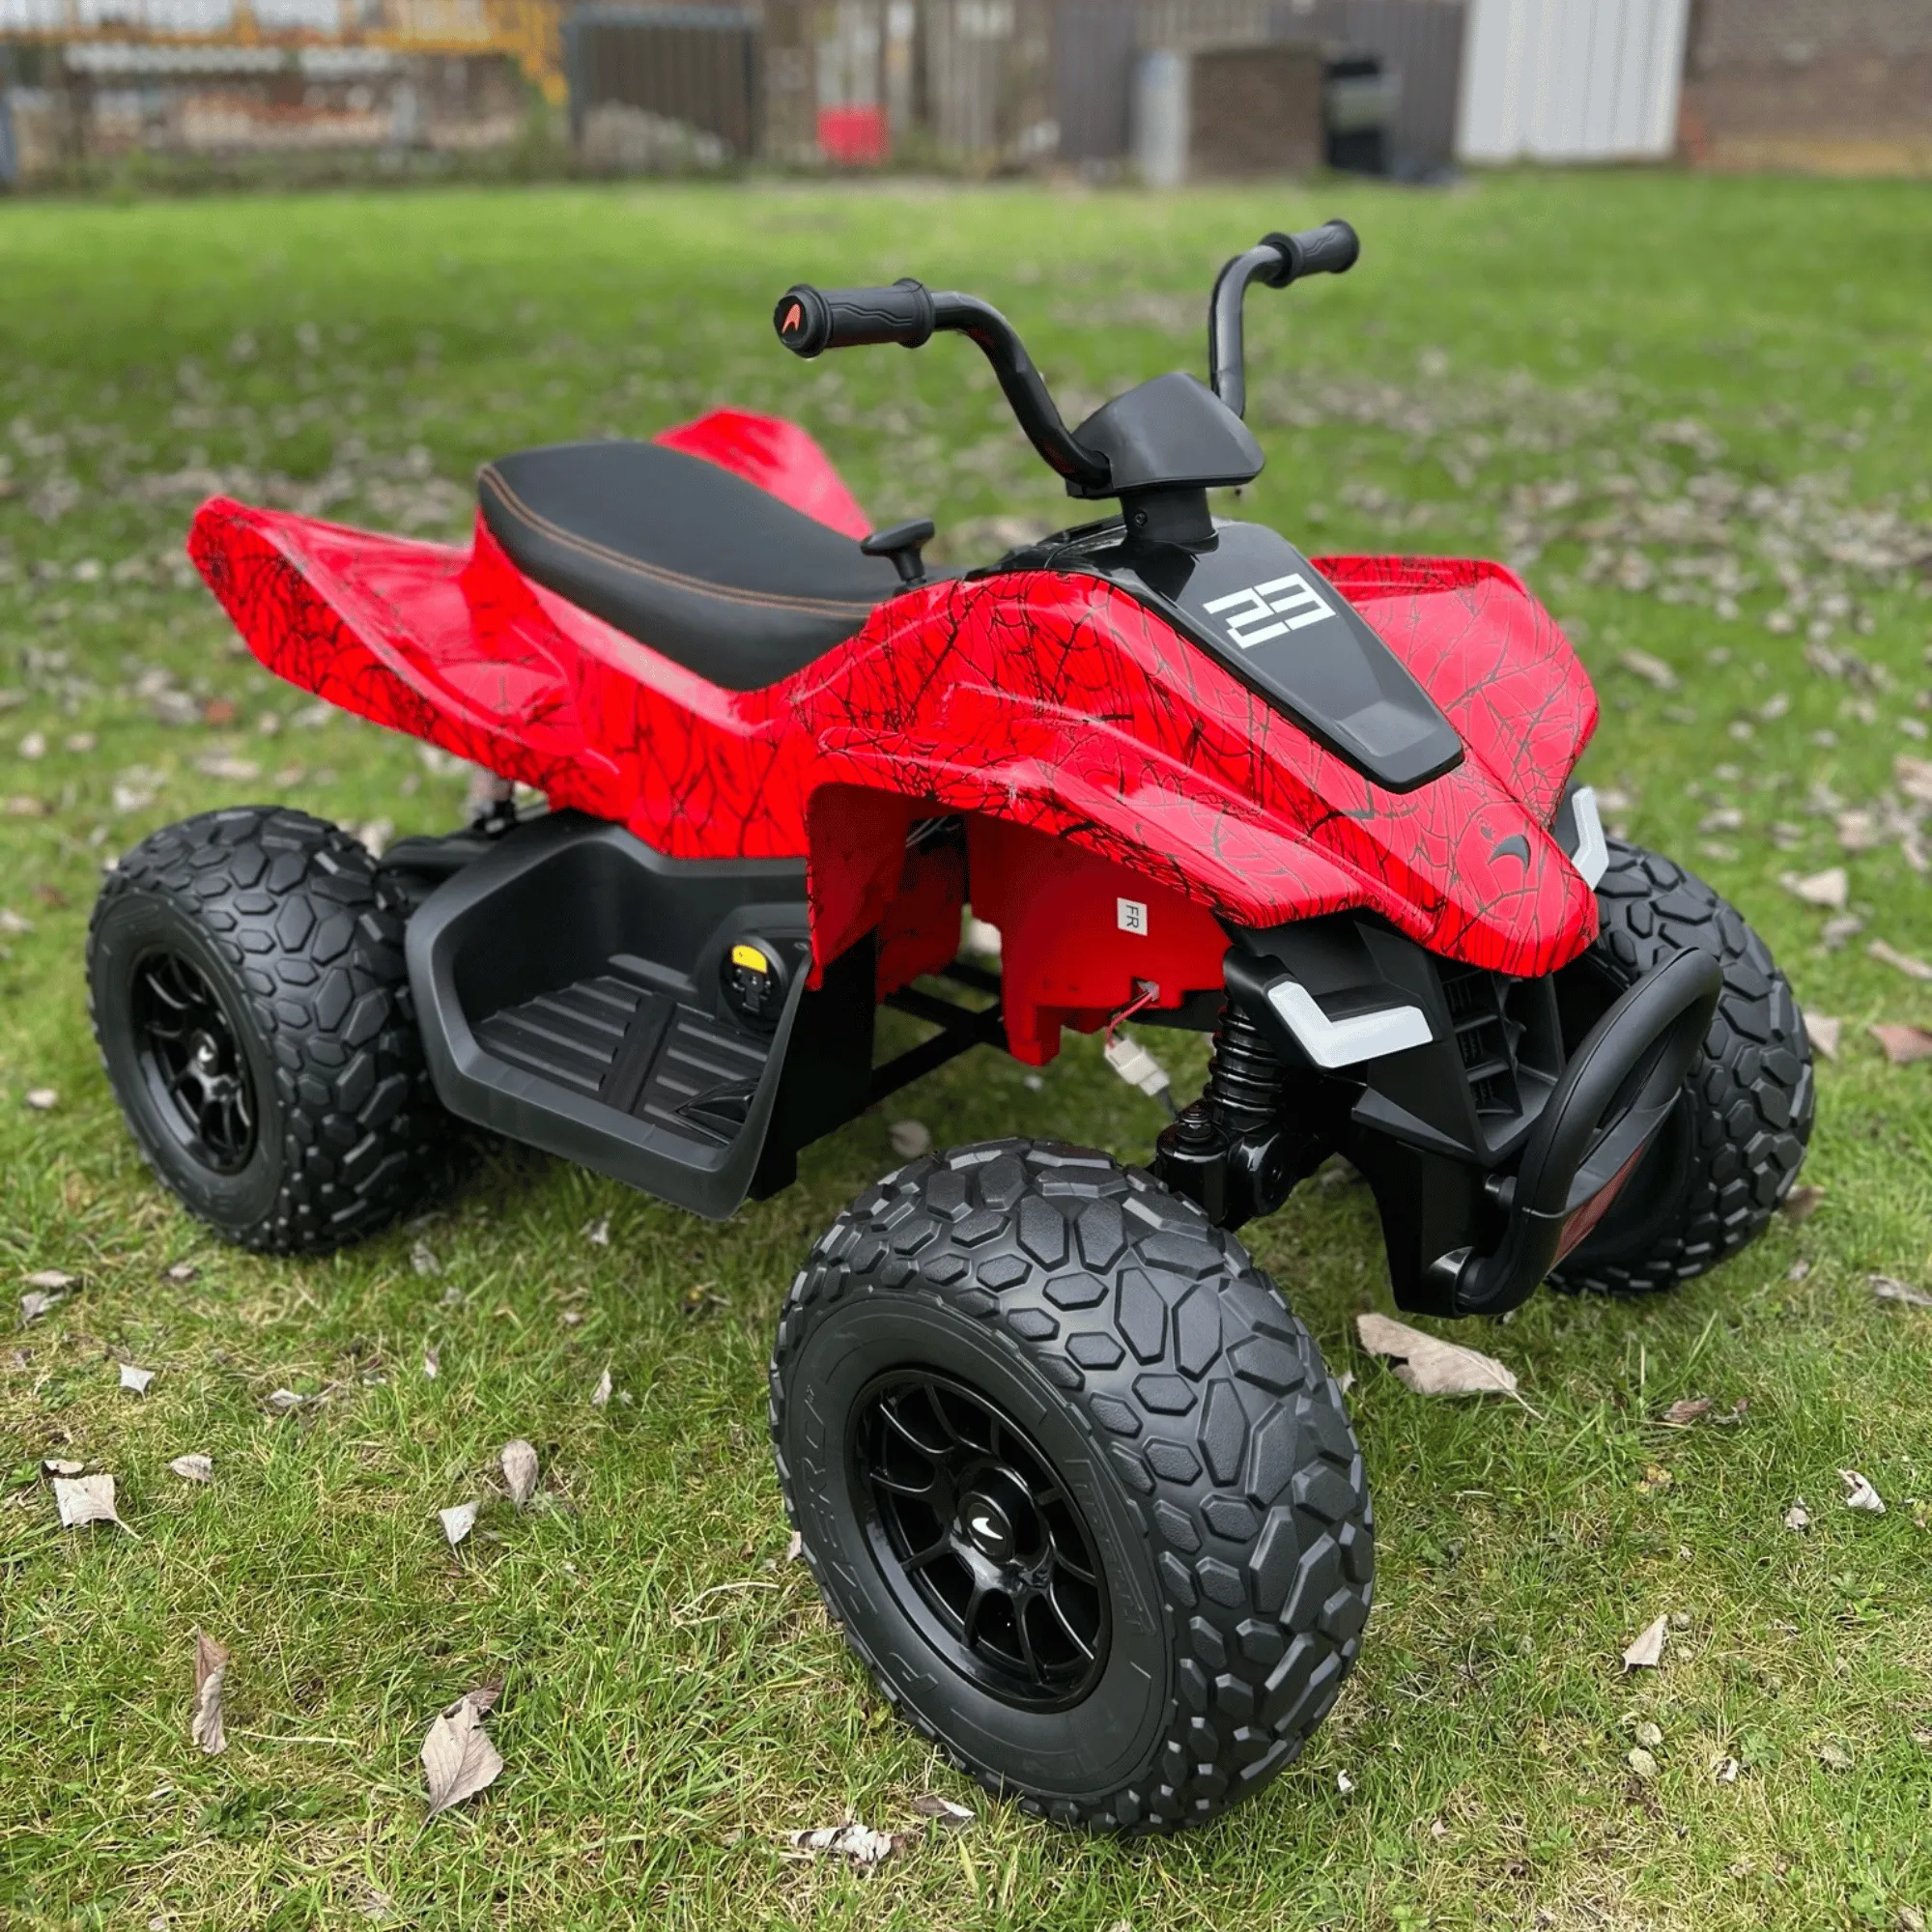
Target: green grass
(1561,371)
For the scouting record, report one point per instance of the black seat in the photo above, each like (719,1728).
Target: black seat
(684,557)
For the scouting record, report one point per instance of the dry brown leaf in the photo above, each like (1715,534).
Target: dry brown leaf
(180,1273)
(194,1467)
(54,1281)
(1802,1203)
(1834,1758)
(1859,1493)
(210,1674)
(42,1099)
(458,1521)
(59,1465)
(1824,1032)
(1885,1287)
(135,1380)
(1891,956)
(34,1304)
(1828,888)
(1653,671)
(285,1401)
(600,1396)
(598,1232)
(1641,1762)
(910,1139)
(1914,776)
(458,1759)
(1431,1366)
(518,1460)
(1682,1414)
(1647,1652)
(930,1804)
(1902,1044)
(1797,1518)
(858,1843)
(432,1363)
(85,1499)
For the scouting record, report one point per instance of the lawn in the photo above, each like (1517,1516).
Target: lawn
(1696,413)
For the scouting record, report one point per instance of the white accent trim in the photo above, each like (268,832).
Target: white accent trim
(1343,1042)
(1592,856)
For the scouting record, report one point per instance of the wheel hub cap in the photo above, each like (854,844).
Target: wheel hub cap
(191,1060)
(978,1540)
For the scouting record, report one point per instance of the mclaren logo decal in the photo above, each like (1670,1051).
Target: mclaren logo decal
(1270,610)
(794,316)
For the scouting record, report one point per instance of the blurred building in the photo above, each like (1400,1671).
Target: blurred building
(1841,86)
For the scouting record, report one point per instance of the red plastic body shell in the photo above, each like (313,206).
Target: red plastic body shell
(1124,794)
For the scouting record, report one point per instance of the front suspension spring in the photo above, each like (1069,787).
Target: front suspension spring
(1245,1079)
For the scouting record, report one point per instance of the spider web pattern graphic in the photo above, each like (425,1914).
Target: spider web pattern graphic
(1049,700)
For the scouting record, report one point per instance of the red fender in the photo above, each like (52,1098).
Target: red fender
(1054,703)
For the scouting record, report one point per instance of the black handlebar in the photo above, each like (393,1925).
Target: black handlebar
(810,320)
(1332,249)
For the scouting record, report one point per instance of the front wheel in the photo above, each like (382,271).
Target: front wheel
(1727,1156)
(1075,1482)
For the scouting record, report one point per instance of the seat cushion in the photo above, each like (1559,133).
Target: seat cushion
(684,557)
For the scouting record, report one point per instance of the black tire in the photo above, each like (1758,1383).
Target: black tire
(278,938)
(1197,1440)
(1727,1157)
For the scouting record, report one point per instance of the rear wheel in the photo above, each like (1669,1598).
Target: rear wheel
(1727,1156)
(1075,1482)
(248,991)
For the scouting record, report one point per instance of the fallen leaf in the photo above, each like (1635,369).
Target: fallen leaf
(1647,1652)
(1914,776)
(1836,931)
(1902,1045)
(180,1273)
(930,1804)
(1824,1032)
(1798,1269)
(1828,888)
(1884,1289)
(210,1672)
(13,924)
(1344,1783)
(1859,1493)
(422,1258)
(1834,1758)
(42,1099)
(1797,1518)
(858,1843)
(194,1467)
(223,765)
(432,1363)
(282,1401)
(1682,1414)
(598,1232)
(1641,1762)
(59,1465)
(136,1380)
(1653,671)
(600,1396)
(1886,956)
(52,1279)
(795,1548)
(910,1139)
(1648,1736)
(458,1521)
(1802,1203)
(458,1759)
(1724,1769)
(520,1471)
(34,1304)
(1430,1366)
(85,1499)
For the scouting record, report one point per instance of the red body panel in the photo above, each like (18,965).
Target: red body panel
(1032,700)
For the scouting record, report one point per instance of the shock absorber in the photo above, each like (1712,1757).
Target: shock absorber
(1231,1150)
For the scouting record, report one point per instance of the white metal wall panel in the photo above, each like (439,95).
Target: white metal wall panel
(1571,80)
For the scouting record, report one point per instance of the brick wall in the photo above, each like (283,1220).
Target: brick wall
(1830,85)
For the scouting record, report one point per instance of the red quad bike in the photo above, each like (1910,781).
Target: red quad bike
(1070,1473)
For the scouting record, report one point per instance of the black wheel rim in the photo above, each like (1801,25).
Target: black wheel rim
(978,1540)
(193,1062)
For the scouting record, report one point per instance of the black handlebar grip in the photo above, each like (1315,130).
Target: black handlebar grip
(810,320)
(1332,249)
